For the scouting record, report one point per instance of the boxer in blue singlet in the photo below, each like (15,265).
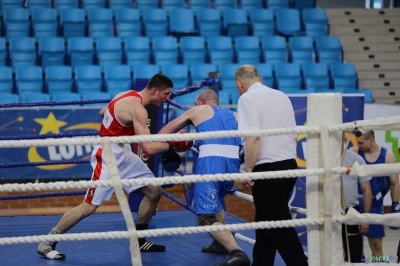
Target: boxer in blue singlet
(216,156)
(373,153)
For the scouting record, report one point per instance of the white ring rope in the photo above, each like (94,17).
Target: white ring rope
(248,197)
(159,232)
(167,180)
(355,170)
(386,123)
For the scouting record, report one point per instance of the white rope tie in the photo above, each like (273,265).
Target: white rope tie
(119,192)
(328,195)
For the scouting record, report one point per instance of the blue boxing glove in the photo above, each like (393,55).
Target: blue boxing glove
(395,209)
(171,161)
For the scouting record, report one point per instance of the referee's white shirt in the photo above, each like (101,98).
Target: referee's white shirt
(265,108)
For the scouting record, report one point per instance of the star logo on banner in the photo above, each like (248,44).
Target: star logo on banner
(50,124)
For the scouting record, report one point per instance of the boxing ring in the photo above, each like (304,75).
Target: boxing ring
(112,238)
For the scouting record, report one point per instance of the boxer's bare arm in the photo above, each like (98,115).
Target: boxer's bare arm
(103,110)
(178,123)
(139,119)
(393,179)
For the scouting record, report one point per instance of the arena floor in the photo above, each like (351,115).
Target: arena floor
(182,250)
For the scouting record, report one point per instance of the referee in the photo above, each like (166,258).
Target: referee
(259,108)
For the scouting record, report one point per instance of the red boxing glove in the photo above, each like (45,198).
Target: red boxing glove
(180,145)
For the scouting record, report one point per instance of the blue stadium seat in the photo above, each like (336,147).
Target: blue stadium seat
(250,5)
(277,4)
(146,4)
(226,76)
(247,49)
(80,51)
(29,79)
(288,77)
(120,4)
(72,22)
(172,4)
(8,98)
(22,51)
(3,52)
(16,22)
(235,22)
(33,97)
(181,22)
(193,50)
(263,22)
(274,49)
(224,4)
(198,4)
(209,22)
(220,50)
(137,50)
(165,50)
(6,80)
(224,98)
(145,71)
(51,51)
(91,95)
(88,79)
(186,99)
(266,73)
(301,49)
(199,72)
(63,4)
(315,22)
(4,4)
(288,21)
(58,79)
(344,77)
(100,22)
(127,22)
(329,50)
(117,78)
(155,22)
(179,74)
(367,94)
(33,4)
(65,96)
(91,4)
(108,51)
(44,22)
(303,4)
(316,77)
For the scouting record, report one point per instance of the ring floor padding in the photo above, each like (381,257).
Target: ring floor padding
(182,250)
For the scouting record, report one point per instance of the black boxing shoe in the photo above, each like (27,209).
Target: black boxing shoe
(215,247)
(237,258)
(146,246)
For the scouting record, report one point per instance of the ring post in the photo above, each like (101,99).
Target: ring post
(323,109)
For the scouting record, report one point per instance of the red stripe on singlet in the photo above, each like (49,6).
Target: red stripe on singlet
(96,175)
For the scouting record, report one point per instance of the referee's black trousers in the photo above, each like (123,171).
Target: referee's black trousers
(271,203)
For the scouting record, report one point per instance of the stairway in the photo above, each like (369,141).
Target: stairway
(371,41)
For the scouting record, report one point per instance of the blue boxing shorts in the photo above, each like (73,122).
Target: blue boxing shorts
(207,195)
(375,230)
